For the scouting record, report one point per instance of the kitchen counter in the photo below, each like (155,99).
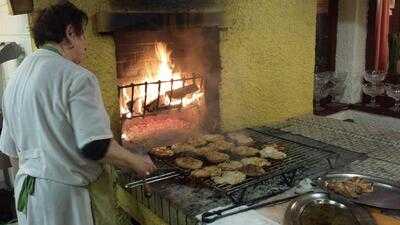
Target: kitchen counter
(177,203)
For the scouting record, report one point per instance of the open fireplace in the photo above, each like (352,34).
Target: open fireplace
(168,74)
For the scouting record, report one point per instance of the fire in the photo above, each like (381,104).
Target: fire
(162,70)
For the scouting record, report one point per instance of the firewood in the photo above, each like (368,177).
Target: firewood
(152,106)
(183,91)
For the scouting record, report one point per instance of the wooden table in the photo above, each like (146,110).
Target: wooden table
(383,219)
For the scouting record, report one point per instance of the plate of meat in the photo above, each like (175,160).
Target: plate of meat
(363,189)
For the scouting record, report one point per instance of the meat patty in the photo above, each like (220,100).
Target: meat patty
(230,177)
(241,138)
(221,145)
(189,163)
(231,165)
(182,147)
(207,171)
(216,157)
(245,151)
(272,153)
(252,170)
(256,161)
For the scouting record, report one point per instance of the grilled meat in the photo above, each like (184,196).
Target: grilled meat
(216,157)
(189,163)
(272,153)
(351,188)
(207,171)
(245,151)
(231,165)
(163,151)
(252,170)
(241,138)
(229,177)
(256,161)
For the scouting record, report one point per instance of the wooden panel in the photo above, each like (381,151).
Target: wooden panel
(322,6)
(21,6)
(381,219)
(394,19)
(326,33)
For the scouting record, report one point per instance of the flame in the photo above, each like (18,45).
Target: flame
(163,70)
(124,136)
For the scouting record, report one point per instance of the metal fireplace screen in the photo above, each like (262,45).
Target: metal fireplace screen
(152,107)
(302,160)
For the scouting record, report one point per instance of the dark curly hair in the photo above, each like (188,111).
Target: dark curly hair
(51,23)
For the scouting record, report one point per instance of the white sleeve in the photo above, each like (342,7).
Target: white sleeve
(7,144)
(88,116)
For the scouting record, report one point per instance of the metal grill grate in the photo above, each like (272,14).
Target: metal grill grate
(300,158)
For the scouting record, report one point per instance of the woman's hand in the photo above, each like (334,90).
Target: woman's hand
(143,166)
(119,156)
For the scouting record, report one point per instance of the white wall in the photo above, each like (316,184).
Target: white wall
(350,47)
(12,29)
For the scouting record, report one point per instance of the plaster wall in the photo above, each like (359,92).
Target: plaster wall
(267,55)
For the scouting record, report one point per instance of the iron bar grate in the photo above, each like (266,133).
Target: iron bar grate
(147,91)
(300,158)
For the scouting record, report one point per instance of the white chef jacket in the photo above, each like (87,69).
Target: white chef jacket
(52,107)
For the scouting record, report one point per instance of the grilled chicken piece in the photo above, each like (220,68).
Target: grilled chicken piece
(231,165)
(208,171)
(241,138)
(278,147)
(272,153)
(363,185)
(252,170)
(198,141)
(216,157)
(189,163)
(351,188)
(182,147)
(203,151)
(260,162)
(230,177)
(245,151)
(221,145)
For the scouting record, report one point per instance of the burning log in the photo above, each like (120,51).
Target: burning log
(152,106)
(183,91)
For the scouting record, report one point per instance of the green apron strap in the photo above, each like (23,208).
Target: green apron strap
(28,188)
(51,47)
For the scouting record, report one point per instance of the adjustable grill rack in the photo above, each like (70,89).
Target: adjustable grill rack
(280,176)
(194,79)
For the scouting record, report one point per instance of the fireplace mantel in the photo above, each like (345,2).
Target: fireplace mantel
(111,21)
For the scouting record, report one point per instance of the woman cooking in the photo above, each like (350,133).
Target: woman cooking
(55,125)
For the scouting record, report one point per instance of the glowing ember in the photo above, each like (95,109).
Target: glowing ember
(124,136)
(163,70)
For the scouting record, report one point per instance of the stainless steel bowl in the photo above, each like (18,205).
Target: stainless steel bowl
(306,205)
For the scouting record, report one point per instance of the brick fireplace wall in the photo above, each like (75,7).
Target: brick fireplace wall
(267,54)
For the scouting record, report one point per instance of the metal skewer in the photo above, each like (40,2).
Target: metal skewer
(153,179)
